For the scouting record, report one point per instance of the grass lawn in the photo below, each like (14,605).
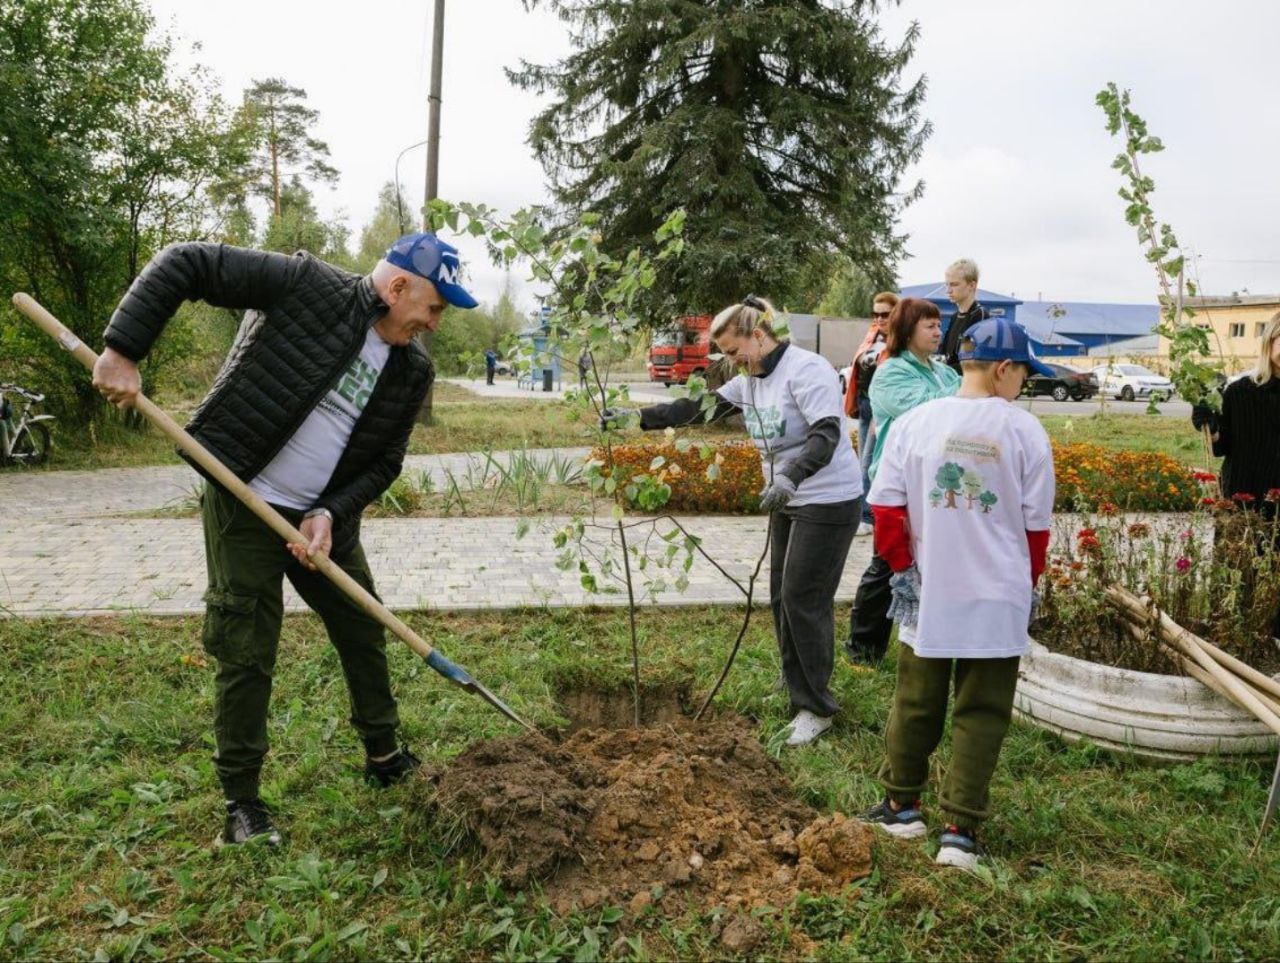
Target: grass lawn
(108,803)
(1172,436)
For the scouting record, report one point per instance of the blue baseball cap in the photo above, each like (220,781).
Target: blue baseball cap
(999,339)
(427,256)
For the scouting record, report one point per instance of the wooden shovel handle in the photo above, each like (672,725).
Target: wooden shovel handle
(223,475)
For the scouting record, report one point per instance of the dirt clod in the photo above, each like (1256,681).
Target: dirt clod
(680,813)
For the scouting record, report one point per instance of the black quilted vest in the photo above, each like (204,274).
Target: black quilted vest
(306,320)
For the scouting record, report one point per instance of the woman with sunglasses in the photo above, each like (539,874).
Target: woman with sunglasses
(857,398)
(790,400)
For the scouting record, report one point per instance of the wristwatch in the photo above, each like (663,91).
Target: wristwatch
(320,511)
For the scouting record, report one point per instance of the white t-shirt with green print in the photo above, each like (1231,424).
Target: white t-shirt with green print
(976,474)
(778,410)
(302,468)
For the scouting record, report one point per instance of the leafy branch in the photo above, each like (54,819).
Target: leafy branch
(1195,377)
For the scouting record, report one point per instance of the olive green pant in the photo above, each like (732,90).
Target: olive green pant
(247,562)
(979,720)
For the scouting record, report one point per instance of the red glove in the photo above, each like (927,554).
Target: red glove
(892,535)
(1038,543)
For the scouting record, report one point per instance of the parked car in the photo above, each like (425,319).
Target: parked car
(1067,382)
(1130,381)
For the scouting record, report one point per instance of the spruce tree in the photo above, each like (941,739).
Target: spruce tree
(782,127)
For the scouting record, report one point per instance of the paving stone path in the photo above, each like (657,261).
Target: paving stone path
(68,548)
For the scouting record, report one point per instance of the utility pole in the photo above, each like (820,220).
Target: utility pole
(433,165)
(433,109)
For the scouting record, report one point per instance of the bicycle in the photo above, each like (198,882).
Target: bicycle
(24,436)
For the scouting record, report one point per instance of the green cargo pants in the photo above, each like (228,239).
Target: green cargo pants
(979,720)
(245,608)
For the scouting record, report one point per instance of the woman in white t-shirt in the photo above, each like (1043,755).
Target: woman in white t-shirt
(791,402)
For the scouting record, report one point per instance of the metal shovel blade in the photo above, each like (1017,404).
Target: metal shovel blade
(460,676)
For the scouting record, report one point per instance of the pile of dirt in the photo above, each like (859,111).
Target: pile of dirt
(679,814)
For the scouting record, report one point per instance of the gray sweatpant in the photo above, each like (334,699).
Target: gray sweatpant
(808,548)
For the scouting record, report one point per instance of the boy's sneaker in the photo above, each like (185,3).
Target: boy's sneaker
(806,727)
(389,771)
(248,820)
(904,823)
(958,847)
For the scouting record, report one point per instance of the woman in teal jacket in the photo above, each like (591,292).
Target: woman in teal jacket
(908,379)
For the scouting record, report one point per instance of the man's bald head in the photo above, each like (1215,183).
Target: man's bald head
(413,303)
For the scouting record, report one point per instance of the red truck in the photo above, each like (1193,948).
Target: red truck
(680,350)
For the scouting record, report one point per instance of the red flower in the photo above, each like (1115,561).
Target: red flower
(1107,508)
(1139,530)
(1183,564)
(1208,501)
(1206,476)
(1272,495)
(1086,533)
(1244,498)
(1090,543)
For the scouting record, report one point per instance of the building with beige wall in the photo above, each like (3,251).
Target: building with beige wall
(1235,324)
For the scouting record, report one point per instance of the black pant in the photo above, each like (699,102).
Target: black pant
(488,375)
(869,625)
(809,546)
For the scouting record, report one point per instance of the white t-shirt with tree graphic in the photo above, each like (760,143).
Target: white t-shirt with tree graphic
(976,474)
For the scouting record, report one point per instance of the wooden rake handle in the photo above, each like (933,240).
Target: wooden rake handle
(218,471)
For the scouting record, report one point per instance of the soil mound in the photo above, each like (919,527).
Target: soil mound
(681,813)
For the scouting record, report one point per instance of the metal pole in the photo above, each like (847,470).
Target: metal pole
(433,168)
(433,109)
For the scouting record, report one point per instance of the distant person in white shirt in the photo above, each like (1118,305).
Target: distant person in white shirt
(790,400)
(962,501)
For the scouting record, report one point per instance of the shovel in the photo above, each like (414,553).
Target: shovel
(433,657)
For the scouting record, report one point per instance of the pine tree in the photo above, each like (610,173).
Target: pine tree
(286,149)
(781,126)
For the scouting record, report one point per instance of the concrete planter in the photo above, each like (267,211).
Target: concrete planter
(1162,717)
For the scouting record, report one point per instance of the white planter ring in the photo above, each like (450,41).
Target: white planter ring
(1165,717)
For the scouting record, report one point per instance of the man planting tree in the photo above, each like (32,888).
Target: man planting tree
(313,410)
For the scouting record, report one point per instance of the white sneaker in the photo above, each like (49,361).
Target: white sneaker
(863,529)
(806,727)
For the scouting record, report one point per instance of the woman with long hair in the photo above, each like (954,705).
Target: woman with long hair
(790,400)
(1246,435)
(910,377)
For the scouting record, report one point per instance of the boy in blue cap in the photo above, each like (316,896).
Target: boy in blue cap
(962,503)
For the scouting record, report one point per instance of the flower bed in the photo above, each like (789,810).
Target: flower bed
(1091,477)
(1214,570)
(724,477)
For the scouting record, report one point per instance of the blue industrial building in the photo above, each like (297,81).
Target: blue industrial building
(1062,328)
(1077,328)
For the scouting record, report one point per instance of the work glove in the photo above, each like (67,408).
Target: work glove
(1203,415)
(1037,600)
(615,418)
(777,494)
(905,606)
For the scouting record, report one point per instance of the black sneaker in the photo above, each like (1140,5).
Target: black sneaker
(958,847)
(860,658)
(248,820)
(904,823)
(396,769)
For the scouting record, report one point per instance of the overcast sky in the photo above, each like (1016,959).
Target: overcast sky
(1017,171)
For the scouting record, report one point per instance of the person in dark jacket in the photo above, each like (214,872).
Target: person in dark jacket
(962,288)
(490,365)
(312,410)
(1246,435)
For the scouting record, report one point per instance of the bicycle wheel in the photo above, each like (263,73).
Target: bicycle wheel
(31,446)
